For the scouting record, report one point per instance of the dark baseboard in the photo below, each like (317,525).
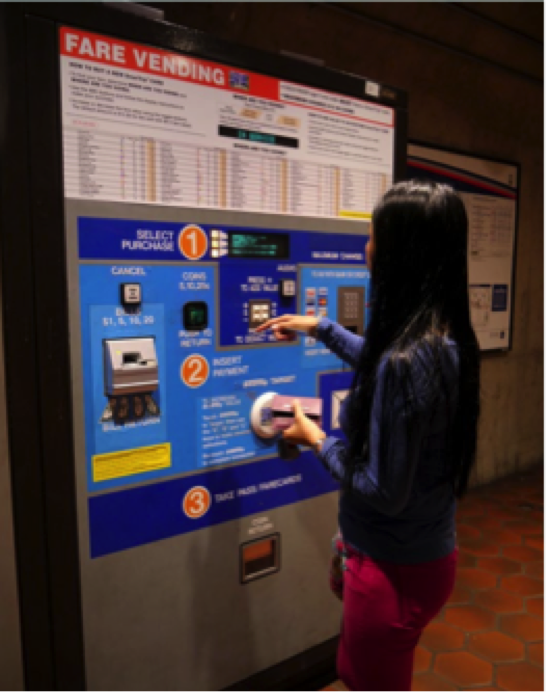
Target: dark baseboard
(311,670)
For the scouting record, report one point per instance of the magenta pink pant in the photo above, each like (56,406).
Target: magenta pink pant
(385,609)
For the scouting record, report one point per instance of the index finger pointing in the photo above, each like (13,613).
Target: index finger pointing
(296,407)
(271,323)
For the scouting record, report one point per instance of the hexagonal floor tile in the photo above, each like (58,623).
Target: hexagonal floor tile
(465,532)
(499,565)
(439,636)
(526,627)
(479,547)
(476,578)
(496,647)
(470,618)
(536,543)
(527,528)
(522,585)
(490,521)
(535,569)
(484,497)
(520,676)
(535,606)
(430,681)
(460,594)
(535,653)
(463,669)
(421,660)
(502,537)
(465,560)
(501,513)
(469,510)
(521,553)
(499,601)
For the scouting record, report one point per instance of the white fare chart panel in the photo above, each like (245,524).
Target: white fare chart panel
(489,190)
(150,126)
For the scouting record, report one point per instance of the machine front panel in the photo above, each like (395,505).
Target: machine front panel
(202,199)
(170,381)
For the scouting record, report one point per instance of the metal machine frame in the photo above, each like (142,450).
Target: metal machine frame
(35,308)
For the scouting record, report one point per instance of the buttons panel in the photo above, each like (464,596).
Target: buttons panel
(351,308)
(288,288)
(259,312)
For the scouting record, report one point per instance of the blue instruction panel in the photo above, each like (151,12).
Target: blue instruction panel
(172,366)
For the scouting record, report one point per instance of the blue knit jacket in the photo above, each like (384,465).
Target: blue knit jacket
(400,506)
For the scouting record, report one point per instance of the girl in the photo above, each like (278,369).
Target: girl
(411,426)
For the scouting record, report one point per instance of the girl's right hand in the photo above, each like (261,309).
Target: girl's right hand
(283,327)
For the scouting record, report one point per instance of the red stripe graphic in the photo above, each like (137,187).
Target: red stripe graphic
(462,178)
(116,53)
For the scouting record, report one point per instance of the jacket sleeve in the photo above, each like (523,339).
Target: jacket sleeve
(340,341)
(384,479)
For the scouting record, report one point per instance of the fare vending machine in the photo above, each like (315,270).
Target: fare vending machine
(182,192)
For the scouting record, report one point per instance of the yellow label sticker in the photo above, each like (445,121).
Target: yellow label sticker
(250,113)
(130,462)
(288,120)
(355,214)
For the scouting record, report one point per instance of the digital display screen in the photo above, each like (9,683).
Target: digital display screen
(265,245)
(261,137)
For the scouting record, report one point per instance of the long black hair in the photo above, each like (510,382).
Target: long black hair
(419,282)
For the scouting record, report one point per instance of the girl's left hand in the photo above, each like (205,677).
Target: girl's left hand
(303,431)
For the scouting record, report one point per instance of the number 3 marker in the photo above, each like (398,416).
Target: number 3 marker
(196,502)
(194,371)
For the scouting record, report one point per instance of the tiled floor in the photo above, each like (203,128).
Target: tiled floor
(490,635)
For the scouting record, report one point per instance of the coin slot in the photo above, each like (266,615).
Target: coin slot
(260,558)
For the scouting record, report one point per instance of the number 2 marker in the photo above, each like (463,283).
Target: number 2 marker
(194,371)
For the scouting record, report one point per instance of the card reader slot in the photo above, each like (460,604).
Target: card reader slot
(290,414)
